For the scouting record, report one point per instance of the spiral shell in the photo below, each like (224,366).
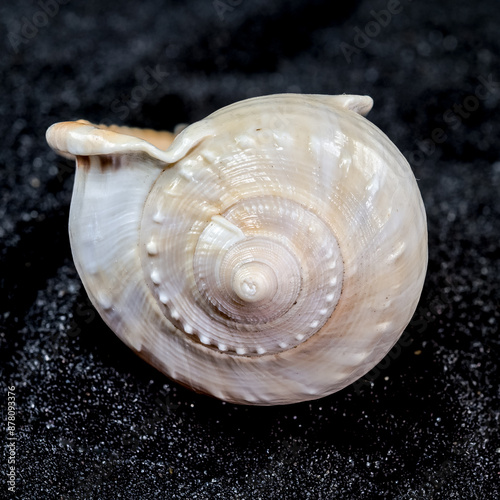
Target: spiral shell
(272,253)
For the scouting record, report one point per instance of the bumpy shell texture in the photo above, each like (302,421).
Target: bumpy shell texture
(271,253)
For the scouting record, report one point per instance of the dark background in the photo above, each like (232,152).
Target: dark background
(93,420)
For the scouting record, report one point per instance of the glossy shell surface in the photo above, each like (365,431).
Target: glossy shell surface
(271,253)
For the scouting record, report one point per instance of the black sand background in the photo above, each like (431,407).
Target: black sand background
(92,419)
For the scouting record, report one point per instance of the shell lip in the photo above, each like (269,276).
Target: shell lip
(82,138)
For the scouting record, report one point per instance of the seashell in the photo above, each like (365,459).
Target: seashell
(270,253)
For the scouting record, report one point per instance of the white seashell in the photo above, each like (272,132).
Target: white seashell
(272,253)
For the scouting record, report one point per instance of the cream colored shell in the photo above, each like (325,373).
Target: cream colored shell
(272,253)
